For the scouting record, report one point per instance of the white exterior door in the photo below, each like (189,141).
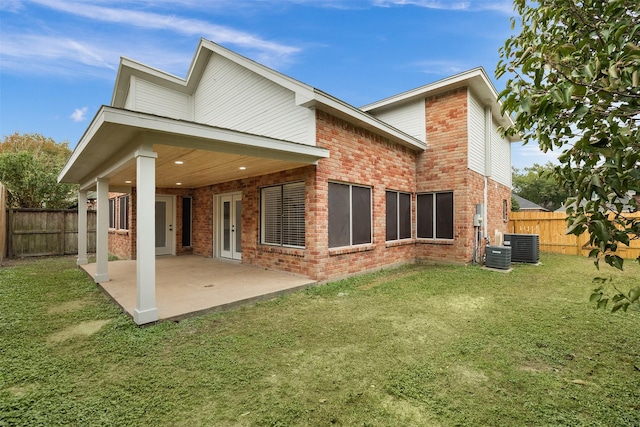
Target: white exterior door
(231,226)
(165,230)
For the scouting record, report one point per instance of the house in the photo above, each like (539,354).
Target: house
(241,162)
(528,205)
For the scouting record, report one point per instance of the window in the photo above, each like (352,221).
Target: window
(435,215)
(398,215)
(349,215)
(123,208)
(282,215)
(186,221)
(112,213)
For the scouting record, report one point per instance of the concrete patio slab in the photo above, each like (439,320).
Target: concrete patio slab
(189,285)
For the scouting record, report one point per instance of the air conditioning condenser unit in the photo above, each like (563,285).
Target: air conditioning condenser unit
(524,247)
(498,257)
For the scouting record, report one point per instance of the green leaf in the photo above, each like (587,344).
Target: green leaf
(634,294)
(618,305)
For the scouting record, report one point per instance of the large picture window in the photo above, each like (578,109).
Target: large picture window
(435,215)
(282,215)
(349,215)
(398,215)
(123,208)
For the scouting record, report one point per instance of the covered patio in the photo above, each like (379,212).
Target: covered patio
(189,285)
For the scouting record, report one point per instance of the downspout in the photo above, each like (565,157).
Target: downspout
(487,169)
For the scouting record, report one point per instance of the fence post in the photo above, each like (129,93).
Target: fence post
(61,236)
(10,226)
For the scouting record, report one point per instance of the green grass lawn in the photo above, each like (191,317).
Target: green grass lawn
(415,346)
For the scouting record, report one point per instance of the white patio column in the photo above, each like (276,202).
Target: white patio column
(102,231)
(82,228)
(146,310)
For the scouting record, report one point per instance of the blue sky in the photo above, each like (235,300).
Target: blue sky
(58,58)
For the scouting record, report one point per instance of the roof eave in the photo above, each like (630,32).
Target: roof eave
(477,79)
(324,101)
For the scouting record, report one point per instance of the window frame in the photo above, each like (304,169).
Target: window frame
(112,213)
(288,211)
(505,210)
(352,223)
(187,224)
(123,215)
(434,216)
(399,235)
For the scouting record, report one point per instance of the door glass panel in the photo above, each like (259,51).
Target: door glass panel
(161,224)
(238,226)
(226,226)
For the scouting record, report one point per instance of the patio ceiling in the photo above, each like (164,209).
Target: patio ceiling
(199,168)
(208,154)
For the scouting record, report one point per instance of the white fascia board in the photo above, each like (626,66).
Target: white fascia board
(423,91)
(476,79)
(129,67)
(366,120)
(163,125)
(88,135)
(285,81)
(148,122)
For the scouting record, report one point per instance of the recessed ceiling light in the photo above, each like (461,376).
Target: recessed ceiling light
(242,168)
(179,162)
(178,183)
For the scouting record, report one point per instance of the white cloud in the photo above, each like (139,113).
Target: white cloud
(502,6)
(185,26)
(85,49)
(79,114)
(43,54)
(440,67)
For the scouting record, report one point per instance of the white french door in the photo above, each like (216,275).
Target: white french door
(231,226)
(165,230)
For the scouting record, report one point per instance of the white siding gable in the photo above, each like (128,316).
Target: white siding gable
(496,151)
(500,157)
(150,98)
(129,102)
(409,118)
(476,127)
(233,97)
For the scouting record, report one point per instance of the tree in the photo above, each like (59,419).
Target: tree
(539,185)
(575,86)
(29,167)
(515,206)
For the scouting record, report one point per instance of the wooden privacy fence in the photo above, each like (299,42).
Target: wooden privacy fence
(39,232)
(552,227)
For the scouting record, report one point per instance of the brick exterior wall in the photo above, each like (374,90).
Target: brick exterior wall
(444,167)
(361,157)
(120,242)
